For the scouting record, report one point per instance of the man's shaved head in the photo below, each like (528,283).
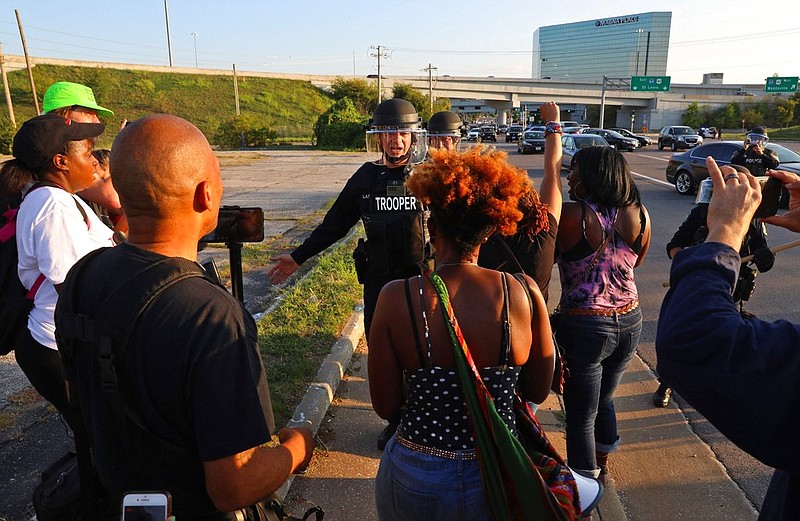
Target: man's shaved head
(157,163)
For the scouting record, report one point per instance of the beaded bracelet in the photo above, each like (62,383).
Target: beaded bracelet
(552,127)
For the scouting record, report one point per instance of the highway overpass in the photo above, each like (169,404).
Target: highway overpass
(651,109)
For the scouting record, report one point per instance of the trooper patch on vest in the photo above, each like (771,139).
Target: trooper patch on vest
(395,199)
(394,204)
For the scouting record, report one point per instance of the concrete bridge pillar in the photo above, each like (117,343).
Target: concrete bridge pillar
(502,108)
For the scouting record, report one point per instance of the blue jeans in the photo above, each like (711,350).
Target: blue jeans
(411,485)
(597,351)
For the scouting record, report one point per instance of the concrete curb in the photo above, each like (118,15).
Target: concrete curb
(312,408)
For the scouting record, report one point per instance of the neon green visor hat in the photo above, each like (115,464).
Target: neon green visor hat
(67,94)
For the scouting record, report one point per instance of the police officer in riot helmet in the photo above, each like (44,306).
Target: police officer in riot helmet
(397,244)
(444,130)
(755,156)
(694,230)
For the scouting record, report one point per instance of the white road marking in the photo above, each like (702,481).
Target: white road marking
(653,179)
(660,158)
(658,181)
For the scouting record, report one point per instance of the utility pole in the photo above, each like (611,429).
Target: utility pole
(430,68)
(639,32)
(379,54)
(236,89)
(5,87)
(603,101)
(242,139)
(194,37)
(169,40)
(27,62)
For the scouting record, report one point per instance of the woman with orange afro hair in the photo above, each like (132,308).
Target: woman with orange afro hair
(411,368)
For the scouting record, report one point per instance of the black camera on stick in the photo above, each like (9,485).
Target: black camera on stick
(235,226)
(238,224)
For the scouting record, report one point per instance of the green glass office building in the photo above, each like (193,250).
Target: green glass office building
(618,47)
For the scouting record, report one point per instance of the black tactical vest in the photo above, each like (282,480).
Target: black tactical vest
(396,226)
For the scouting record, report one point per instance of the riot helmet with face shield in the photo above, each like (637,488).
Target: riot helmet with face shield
(395,131)
(444,130)
(757,136)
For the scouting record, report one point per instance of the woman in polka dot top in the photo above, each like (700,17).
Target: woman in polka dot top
(429,469)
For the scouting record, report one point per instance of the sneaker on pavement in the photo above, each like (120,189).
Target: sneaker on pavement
(662,396)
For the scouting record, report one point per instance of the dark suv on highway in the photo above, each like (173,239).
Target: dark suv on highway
(488,133)
(514,133)
(678,137)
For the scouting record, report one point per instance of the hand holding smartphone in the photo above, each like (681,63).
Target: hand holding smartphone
(146,506)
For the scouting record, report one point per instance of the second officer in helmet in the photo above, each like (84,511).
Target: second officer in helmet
(444,130)
(397,242)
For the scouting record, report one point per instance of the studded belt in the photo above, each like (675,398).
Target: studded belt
(602,312)
(466,455)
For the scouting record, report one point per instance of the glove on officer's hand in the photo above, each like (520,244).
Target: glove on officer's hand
(764,259)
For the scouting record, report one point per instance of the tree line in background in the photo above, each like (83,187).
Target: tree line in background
(768,111)
(342,126)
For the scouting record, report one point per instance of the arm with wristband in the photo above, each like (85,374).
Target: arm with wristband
(550,190)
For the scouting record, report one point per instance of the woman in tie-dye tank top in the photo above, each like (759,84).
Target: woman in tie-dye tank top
(604,234)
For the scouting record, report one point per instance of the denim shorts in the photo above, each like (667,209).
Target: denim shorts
(415,486)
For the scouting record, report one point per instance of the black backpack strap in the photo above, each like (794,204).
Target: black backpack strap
(66,348)
(40,184)
(114,322)
(109,331)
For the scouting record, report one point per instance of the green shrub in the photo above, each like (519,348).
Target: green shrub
(341,126)
(7,132)
(247,130)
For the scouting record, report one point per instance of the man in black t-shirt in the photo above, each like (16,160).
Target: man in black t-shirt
(191,370)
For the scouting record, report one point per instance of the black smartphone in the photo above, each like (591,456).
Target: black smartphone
(238,224)
(770,196)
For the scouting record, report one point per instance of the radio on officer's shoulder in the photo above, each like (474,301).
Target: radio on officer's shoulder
(238,224)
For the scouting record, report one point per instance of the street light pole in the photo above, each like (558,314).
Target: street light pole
(639,32)
(194,37)
(169,39)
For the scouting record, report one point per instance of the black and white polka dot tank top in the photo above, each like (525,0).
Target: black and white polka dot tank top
(435,414)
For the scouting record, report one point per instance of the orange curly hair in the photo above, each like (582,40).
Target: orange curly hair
(471,194)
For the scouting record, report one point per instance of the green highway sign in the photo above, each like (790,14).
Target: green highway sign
(781,84)
(650,83)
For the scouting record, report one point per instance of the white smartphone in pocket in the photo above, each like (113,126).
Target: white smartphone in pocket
(146,506)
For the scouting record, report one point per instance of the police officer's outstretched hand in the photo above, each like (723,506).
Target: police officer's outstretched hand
(764,259)
(282,270)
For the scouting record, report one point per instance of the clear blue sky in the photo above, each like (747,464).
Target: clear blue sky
(745,40)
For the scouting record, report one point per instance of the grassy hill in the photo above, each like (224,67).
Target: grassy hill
(290,107)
